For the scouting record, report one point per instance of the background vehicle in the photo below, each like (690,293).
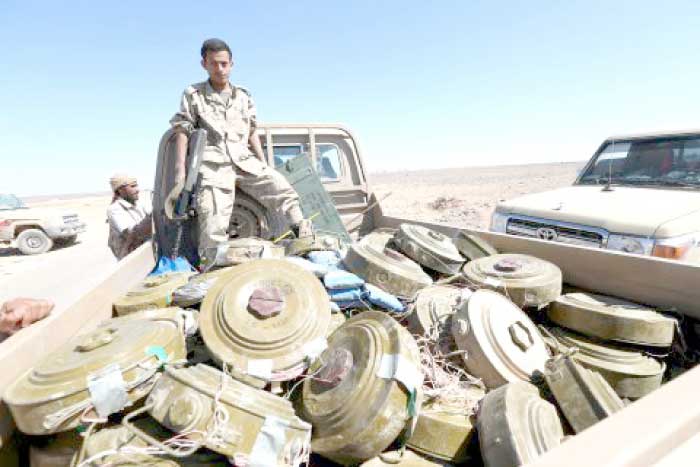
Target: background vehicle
(36,230)
(662,428)
(638,194)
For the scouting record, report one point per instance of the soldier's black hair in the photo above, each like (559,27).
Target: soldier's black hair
(215,45)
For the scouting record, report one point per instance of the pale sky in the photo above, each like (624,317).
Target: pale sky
(88,87)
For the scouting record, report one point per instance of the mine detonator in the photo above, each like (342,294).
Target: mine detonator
(186,204)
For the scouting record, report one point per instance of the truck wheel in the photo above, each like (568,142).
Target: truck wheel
(33,242)
(249,218)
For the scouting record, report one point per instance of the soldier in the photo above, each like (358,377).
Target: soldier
(129,219)
(233,154)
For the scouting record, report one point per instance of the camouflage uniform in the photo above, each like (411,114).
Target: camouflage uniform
(227,160)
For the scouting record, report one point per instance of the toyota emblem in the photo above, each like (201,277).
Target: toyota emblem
(545,233)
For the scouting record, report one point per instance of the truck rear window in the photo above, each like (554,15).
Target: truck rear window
(328,165)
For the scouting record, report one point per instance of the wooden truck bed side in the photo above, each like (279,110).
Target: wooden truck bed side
(23,350)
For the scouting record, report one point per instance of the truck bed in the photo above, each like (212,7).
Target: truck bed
(659,429)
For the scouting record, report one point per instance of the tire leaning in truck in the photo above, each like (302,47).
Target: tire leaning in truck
(33,242)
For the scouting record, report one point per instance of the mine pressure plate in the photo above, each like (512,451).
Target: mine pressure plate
(374,260)
(367,389)
(266,319)
(631,373)
(429,248)
(260,428)
(152,292)
(526,280)
(613,319)
(516,425)
(502,344)
(103,371)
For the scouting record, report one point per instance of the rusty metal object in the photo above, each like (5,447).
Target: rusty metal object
(265,319)
(516,425)
(374,260)
(51,397)
(184,400)
(502,344)
(152,292)
(429,248)
(612,319)
(371,391)
(630,373)
(526,280)
(583,395)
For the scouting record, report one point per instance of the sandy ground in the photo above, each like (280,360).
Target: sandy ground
(465,197)
(462,196)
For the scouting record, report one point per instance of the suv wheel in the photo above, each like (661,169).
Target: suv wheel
(33,242)
(249,218)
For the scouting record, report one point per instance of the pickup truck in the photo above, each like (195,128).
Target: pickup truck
(661,429)
(638,194)
(36,230)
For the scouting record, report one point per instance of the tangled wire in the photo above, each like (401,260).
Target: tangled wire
(447,388)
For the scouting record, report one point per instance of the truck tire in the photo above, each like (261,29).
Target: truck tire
(33,242)
(249,218)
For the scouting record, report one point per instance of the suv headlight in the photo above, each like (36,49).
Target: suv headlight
(630,244)
(674,247)
(498,222)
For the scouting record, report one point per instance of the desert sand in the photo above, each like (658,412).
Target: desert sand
(461,196)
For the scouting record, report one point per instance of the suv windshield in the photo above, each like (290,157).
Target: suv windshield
(8,202)
(667,162)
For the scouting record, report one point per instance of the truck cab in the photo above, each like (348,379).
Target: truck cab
(35,230)
(334,153)
(638,194)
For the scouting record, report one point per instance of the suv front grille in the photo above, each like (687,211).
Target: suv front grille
(563,233)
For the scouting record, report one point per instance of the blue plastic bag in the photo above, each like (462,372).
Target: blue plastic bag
(339,279)
(327,258)
(344,305)
(319,270)
(168,265)
(346,295)
(377,296)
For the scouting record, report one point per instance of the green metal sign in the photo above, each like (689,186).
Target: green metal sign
(314,199)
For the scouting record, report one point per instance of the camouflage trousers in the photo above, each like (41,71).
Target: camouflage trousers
(216,197)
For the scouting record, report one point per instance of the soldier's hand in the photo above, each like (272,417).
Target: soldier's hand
(19,313)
